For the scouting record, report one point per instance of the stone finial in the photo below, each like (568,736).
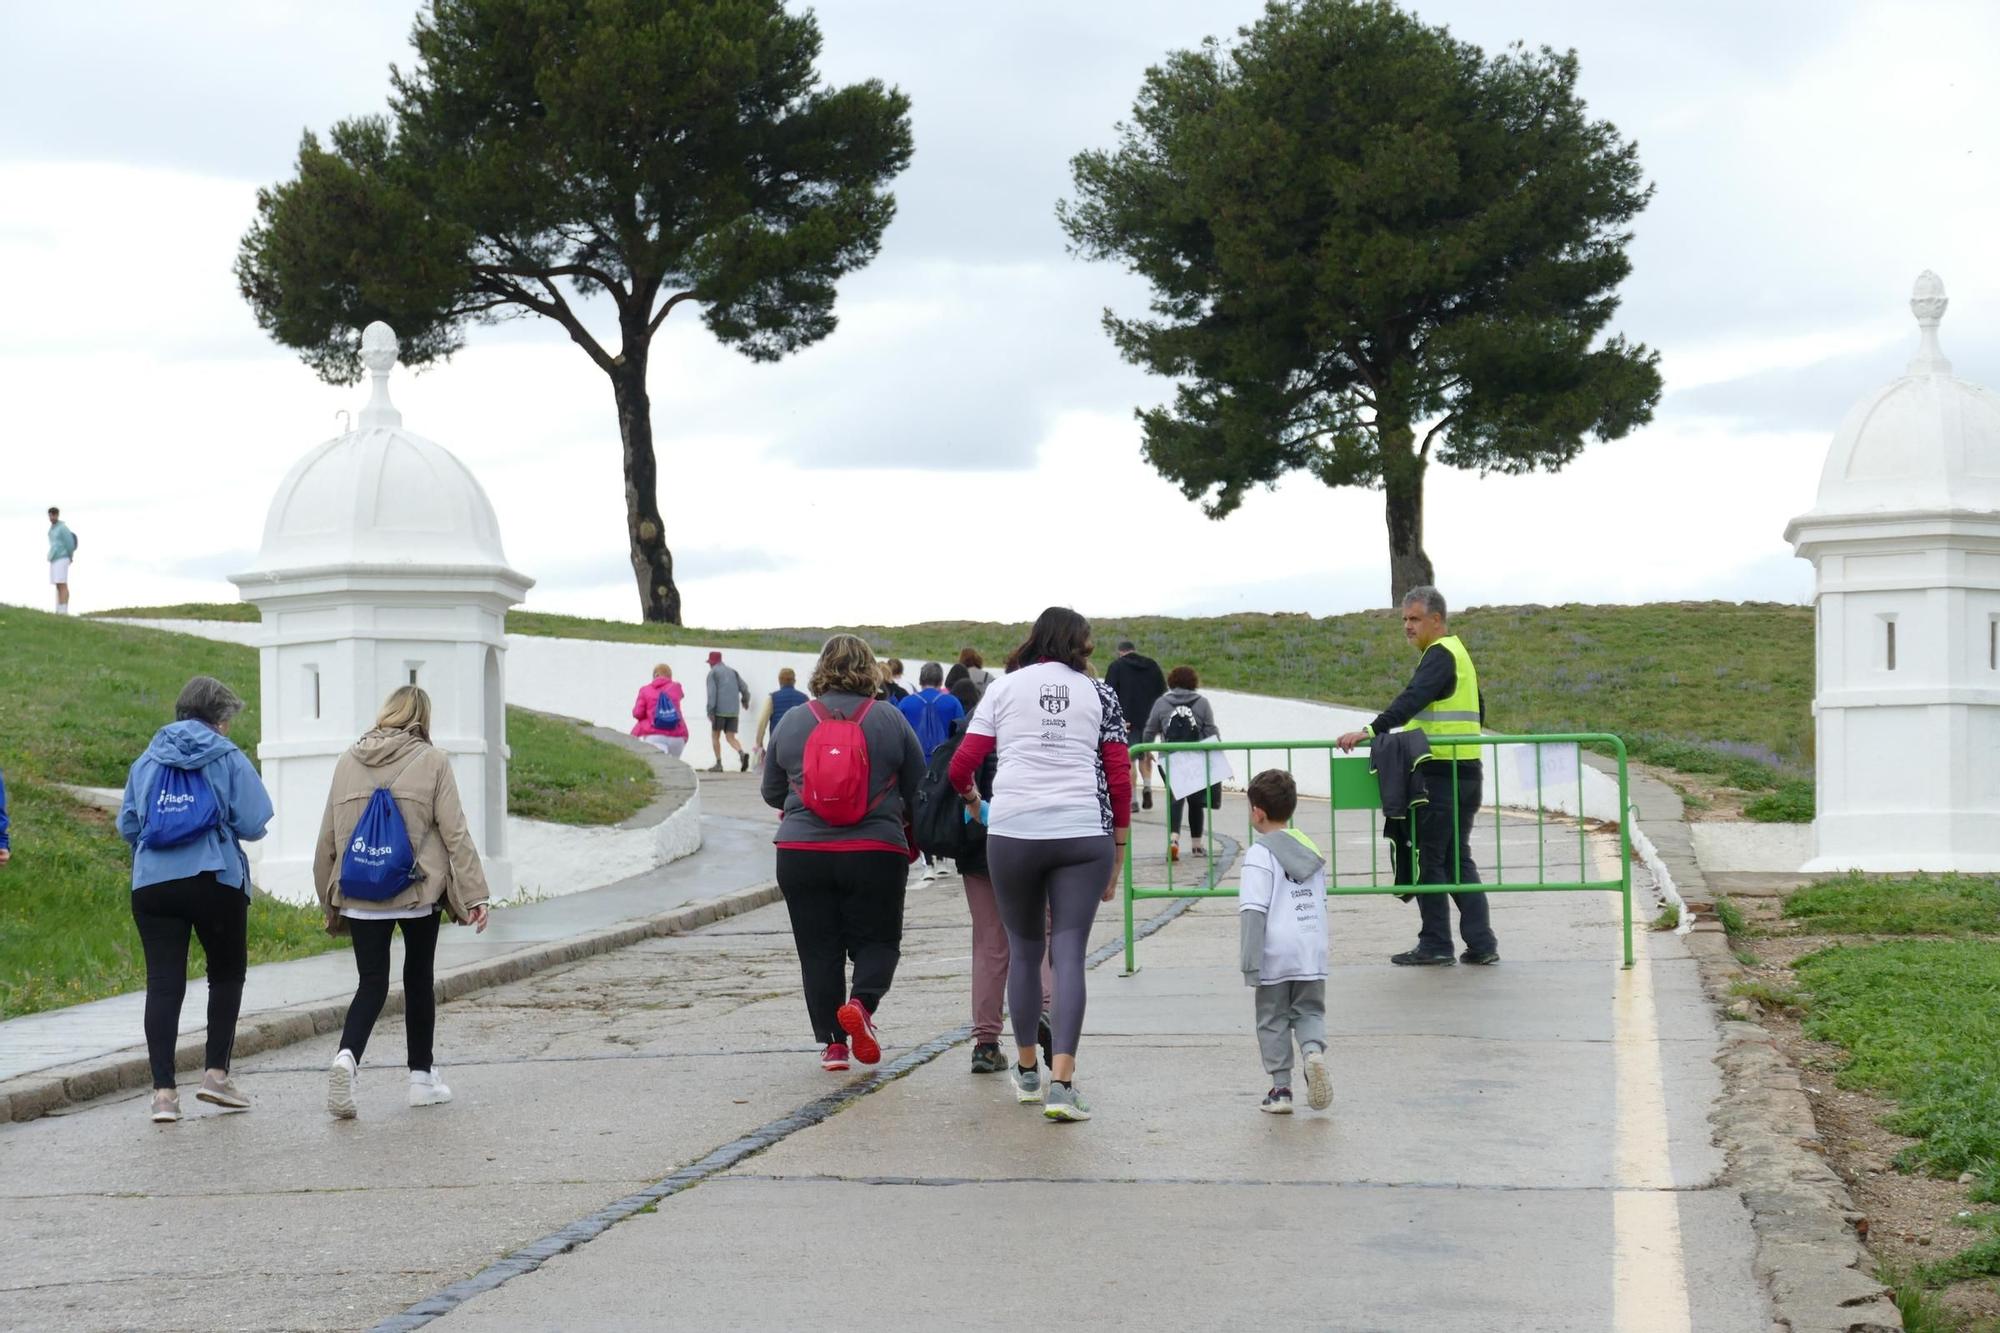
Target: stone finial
(1927,303)
(378,354)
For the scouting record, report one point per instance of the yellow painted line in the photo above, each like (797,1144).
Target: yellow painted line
(1649,1270)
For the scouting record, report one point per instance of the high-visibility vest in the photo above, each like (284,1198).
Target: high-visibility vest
(1457,715)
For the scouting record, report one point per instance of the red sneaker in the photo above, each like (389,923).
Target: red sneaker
(833,1057)
(859,1024)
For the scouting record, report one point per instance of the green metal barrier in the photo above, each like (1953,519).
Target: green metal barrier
(1353,788)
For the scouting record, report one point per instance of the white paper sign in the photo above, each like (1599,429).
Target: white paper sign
(1186,775)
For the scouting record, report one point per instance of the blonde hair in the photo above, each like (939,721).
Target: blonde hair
(787,677)
(408,708)
(846,666)
(663,670)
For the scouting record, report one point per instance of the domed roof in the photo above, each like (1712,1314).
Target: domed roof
(379,495)
(1926,441)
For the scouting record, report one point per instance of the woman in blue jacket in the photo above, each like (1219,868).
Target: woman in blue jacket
(191,801)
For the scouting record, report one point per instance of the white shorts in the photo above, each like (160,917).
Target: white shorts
(59,570)
(673,745)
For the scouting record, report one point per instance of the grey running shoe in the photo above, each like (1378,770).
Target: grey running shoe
(341,1078)
(986,1058)
(166,1106)
(1027,1085)
(222,1092)
(1064,1104)
(1319,1086)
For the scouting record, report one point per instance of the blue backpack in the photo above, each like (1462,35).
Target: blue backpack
(933,729)
(379,862)
(180,808)
(666,716)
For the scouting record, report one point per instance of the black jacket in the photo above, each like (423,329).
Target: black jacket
(1396,761)
(1435,678)
(1137,681)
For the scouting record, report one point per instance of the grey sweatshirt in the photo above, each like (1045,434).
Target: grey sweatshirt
(1163,707)
(895,768)
(727,694)
(1298,861)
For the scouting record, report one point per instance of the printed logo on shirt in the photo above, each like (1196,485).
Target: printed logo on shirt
(1055,698)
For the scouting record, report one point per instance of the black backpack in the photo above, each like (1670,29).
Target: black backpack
(1182,725)
(939,820)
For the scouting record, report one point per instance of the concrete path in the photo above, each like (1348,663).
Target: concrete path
(1522,1147)
(736,852)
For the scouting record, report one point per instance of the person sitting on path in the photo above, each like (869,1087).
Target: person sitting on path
(990,950)
(1442,700)
(728,696)
(1139,683)
(844,771)
(426,860)
(1281,916)
(62,550)
(969,666)
(191,801)
(1183,714)
(932,714)
(776,704)
(659,718)
(1061,816)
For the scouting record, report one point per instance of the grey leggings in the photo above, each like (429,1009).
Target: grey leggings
(1048,884)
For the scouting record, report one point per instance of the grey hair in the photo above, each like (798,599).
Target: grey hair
(1431,598)
(932,674)
(206,699)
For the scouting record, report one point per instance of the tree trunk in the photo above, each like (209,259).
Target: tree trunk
(652,562)
(1403,506)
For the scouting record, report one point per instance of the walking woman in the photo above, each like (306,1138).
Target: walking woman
(1183,714)
(396,756)
(658,718)
(969,666)
(844,769)
(1062,811)
(191,801)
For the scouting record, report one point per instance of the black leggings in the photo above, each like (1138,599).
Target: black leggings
(371,960)
(844,905)
(219,917)
(1060,882)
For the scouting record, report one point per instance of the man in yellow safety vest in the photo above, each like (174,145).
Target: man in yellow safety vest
(1442,700)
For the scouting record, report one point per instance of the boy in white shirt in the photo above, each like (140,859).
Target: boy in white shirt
(1282,920)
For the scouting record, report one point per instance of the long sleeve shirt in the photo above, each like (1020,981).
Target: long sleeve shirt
(1435,678)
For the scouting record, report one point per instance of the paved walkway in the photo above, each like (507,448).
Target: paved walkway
(1522,1147)
(736,853)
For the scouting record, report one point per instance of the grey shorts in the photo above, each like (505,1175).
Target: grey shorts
(723,722)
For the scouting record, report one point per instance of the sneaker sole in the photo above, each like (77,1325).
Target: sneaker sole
(1319,1086)
(340,1093)
(225,1102)
(430,1099)
(861,1041)
(1276,1108)
(1068,1114)
(165,1117)
(840,1068)
(1027,1097)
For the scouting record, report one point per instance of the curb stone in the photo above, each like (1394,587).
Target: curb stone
(32,1096)
(1809,1258)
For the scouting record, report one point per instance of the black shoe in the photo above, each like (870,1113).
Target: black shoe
(1416,959)
(1479,958)
(1146,798)
(1046,1036)
(716,767)
(986,1058)
(746,763)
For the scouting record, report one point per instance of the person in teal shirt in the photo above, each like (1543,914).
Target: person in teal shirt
(62,549)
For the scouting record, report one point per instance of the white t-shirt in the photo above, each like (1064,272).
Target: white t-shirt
(1294,917)
(1048,722)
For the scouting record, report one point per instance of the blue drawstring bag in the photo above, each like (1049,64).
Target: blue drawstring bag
(180,808)
(666,716)
(379,862)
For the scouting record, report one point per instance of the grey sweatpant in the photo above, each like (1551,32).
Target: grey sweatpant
(1288,1009)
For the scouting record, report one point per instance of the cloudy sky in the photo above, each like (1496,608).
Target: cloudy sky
(1810,156)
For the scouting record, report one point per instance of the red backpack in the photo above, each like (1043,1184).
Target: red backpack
(834,779)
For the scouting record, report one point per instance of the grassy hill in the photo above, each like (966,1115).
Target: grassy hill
(1713,688)
(78,702)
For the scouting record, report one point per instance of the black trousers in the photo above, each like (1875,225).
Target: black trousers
(371,960)
(1438,861)
(1198,806)
(218,916)
(844,906)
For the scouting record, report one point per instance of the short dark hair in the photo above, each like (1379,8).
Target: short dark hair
(1274,792)
(932,674)
(1183,678)
(1126,646)
(54,510)
(895,666)
(1059,635)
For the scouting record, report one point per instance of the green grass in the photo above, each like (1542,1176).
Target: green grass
(1715,688)
(1669,917)
(1731,917)
(80,702)
(1858,904)
(1768,994)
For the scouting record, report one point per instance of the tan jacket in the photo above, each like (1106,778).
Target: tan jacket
(419,777)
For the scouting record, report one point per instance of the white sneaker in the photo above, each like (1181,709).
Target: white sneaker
(342,1078)
(1319,1087)
(930,872)
(427,1088)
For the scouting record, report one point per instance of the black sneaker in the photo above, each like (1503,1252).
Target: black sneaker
(1045,1035)
(1416,959)
(1146,798)
(1278,1101)
(746,763)
(986,1058)
(1479,958)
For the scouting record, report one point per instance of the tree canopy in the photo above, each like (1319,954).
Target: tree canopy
(541,153)
(1357,228)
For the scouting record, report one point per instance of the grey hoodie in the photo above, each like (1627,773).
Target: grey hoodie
(1299,862)
(1164,706)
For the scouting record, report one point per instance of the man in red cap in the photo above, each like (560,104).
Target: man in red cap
(728,696)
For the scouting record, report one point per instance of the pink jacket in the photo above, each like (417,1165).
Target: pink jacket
(649,696)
